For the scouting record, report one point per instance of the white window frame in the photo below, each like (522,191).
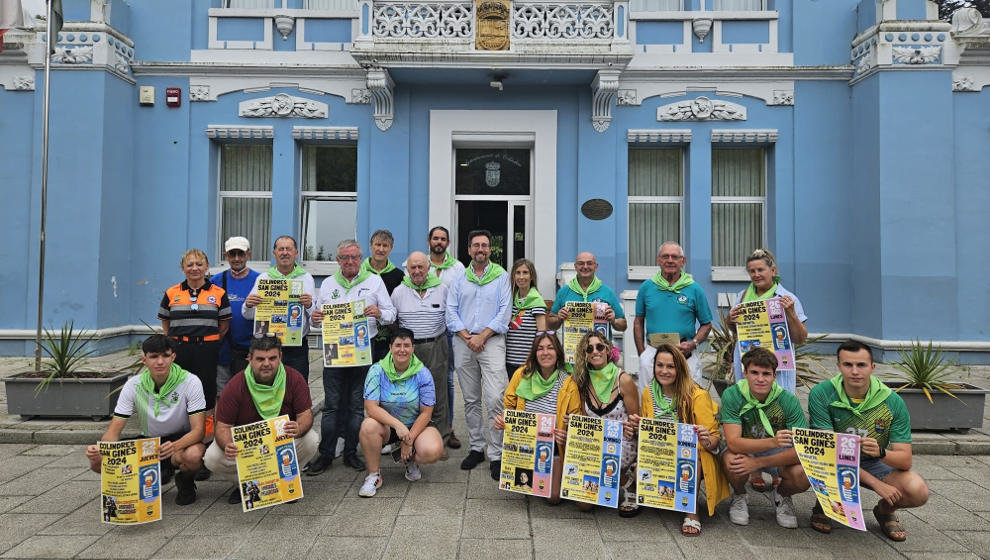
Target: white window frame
(738,273)
(256,264)
(761,8)
(321,268)
(642,272)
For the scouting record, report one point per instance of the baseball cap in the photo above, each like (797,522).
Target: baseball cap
(237,243)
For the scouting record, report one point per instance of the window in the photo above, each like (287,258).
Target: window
(739,5)
(738,208)
(656,199)
(329,199)
(246,193)
(253,4)
(656,5)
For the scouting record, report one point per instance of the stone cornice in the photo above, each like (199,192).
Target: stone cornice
(160,68)
(664,74)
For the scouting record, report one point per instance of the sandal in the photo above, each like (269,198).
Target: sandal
(819,521)
(890,525)
(691,527)
(627,499)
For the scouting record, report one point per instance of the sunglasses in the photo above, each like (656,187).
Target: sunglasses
(599,347)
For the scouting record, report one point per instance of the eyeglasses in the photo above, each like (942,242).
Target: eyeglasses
(538,333)
(348,257)
(599,347)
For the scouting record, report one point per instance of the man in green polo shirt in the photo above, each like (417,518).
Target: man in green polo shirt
(757,419)
(856,402)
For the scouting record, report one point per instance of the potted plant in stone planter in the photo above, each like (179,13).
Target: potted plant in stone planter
(65,387)
(933,400)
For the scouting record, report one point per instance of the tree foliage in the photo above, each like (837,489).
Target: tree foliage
(946,7)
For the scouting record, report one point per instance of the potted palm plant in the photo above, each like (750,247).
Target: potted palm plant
(64,386)
(934,401)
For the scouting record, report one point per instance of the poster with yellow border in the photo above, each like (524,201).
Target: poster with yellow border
(280,313)
(592,461)
(831,463)
(130,481)
(764,324)
(345,335)
(527,453)
(667,466)
(267,467)
(583,316)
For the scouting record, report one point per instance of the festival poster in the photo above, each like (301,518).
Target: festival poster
(280,313)
(667,466)
(345,335)
(764,324)
(267,469)
(130,481)
(527,453)
(592,461)
(583,316)
(831,462)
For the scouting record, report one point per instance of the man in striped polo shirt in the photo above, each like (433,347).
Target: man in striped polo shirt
(420,303)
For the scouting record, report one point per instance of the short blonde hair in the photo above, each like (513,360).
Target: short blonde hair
(193,253)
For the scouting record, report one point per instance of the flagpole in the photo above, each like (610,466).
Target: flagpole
(49,43)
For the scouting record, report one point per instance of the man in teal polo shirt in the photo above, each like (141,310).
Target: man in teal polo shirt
(671,303)
(586,286)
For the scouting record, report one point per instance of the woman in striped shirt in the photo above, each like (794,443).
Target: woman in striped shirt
(529,315)
(534,387)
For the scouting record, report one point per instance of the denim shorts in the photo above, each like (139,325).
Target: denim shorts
(771,470)
(876,467)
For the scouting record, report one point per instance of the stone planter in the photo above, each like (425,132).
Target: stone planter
(91,397)
(946,413)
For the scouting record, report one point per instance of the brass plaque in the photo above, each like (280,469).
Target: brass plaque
(492,26)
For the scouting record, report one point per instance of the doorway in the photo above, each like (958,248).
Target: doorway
(492,191)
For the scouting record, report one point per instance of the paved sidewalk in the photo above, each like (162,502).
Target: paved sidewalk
(49,508)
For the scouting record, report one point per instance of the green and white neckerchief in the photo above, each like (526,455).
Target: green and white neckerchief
(663,406)
(603,381)
(394,376)
(592,288)
(366,265)
(877,393)
(751,295)
(348,284)
(492,271)
(145,390)
(448,261)
(267,398)
(296,271)
(534,386)
(430,282)
(532,300)
(683,282)
(752,403)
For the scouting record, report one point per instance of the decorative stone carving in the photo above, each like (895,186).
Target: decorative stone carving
(603,89)
(964,83)
(121,62)
(284,24)
(627,97)
(282,105)
(702,109)
(588,21)
(753,136)
(360,95)
(967,21)
(22,83)
(864,64)
(400,20)
(927,54)
(380,84)
(782,97)
(701,27)
(661,135)
(199,93)
(325,132)
(253,132)
(73,55)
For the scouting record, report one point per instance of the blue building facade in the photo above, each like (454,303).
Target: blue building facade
(851,137)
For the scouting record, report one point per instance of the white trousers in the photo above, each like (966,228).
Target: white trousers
(482,375)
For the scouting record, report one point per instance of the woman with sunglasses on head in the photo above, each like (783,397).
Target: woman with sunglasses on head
(600,389)
(765,284)
(529,315)
(535,387)
(673,396)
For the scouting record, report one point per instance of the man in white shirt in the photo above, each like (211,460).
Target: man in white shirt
(447,268)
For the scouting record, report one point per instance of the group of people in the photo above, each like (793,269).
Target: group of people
(495,330)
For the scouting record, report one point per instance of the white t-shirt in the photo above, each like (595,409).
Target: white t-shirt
(173,412)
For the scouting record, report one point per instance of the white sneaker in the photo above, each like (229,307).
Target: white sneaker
(739,510)
(388,449)
(412,471)
(371,484)
(785,511)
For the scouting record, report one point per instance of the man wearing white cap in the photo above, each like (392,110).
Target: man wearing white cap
(237,281)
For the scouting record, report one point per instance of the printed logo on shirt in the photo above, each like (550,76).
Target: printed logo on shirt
(335,294)
(176,300)
(175,397)
(682,299)
(879,426)
(212,299)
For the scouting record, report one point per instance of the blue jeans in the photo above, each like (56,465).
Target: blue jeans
(343,408)
(297,358)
